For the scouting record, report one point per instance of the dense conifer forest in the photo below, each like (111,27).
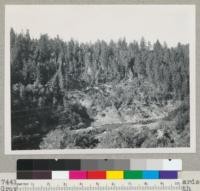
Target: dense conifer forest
(99,94)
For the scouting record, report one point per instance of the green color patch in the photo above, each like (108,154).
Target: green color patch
(130,174)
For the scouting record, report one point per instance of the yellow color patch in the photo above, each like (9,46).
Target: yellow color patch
(114,174)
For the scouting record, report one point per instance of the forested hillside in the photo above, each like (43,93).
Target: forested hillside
(98,95)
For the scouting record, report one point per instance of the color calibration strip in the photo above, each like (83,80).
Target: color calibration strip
(99,174)
(99,164)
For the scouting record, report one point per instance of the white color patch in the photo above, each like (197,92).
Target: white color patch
(172,164)
(60,175)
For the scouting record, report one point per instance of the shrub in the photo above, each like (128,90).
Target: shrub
(85,141)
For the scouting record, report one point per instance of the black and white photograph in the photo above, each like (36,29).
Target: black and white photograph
(100,78)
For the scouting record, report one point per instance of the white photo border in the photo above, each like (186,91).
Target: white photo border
(7,103)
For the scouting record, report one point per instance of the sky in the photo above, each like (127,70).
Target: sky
(87,23)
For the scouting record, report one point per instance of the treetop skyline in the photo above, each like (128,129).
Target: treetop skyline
(170,23)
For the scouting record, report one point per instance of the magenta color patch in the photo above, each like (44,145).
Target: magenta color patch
(77,174)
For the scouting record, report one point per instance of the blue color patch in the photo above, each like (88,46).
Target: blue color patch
(151,174)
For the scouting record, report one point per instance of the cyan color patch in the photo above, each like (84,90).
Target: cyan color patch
(151,174)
